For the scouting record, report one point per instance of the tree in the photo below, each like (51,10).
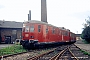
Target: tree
(86,30)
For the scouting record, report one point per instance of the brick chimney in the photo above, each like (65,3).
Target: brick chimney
(43,11)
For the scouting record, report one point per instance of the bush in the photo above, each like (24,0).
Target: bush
(86,34)
(85,41)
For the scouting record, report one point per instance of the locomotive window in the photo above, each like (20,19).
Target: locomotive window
(60,32)
(32,28)
(47,30)
(63,33)
(27,29)
(56,31)
(70,34)
(66,33)
(53,31)
(39,28)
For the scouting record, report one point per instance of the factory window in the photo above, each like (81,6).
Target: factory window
(27,29)
(39,28)
(47,30)
(32,28)
(14,31)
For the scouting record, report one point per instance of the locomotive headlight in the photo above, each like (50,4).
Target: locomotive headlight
(26,35)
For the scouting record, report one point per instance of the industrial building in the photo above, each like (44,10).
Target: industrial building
(78,37)
(10,31)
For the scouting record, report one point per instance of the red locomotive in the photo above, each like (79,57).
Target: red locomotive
(40,34)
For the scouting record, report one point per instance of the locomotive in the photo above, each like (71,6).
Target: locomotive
(38,34)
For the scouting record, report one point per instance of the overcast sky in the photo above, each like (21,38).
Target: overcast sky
(70,14)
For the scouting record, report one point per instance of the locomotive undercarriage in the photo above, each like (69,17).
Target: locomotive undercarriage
(34,44)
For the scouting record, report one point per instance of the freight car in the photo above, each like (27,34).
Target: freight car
(38,34)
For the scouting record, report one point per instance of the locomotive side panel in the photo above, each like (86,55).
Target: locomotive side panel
(45,33)
(56,34)
(49,34)
(32,31)
(72,36)
(67,36)
(60,35)
(35,32)
(40,32)
(63,37)
(53,34)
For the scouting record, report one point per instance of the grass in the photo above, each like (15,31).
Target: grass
(12,50)
(86,53)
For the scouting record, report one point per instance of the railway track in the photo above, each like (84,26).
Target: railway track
(69,52)
(65,52)
(24,55)
(50,54)
(76,51)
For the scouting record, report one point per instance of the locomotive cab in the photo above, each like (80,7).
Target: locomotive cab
(28,32)
(28,35)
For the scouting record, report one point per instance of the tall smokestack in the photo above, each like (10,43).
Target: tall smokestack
(43,11)
(29,15)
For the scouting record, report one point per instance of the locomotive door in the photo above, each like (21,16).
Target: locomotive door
(40,33)
(62,36)
(47,34)
(8,39)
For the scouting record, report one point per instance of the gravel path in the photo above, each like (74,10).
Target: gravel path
(83,46)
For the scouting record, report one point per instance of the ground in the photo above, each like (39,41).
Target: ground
(5,45)
(83,46)
(79,43)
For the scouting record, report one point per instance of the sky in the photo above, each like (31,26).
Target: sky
(70,14)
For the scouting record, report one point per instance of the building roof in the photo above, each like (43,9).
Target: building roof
(10,24)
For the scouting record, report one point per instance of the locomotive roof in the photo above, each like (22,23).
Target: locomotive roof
(40,22)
